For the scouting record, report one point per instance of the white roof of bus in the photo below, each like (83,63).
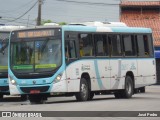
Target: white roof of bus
(10,28)
(51,24)
(101,24)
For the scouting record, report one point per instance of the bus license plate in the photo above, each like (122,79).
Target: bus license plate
(34,91)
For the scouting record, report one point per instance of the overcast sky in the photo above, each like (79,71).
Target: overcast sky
(12,11)
(59,11)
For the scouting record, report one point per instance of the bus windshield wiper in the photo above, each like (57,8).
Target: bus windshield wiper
(44,45)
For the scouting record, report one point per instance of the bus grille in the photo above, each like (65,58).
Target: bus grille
(28,89)
(4,88)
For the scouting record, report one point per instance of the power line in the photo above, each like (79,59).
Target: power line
(18,8)
(18,21)
(87,3)
(24,13)
(11,18)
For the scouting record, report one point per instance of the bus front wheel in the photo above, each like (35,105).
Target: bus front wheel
(84,91)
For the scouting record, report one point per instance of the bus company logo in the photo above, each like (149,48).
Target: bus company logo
(85,67)
(77,71)
(124,66)
(34,82)
(133,66)
(6,114)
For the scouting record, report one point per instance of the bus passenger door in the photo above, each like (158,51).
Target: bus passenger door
(71,65)
(115,61)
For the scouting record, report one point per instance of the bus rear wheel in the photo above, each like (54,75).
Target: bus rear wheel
(84,91)
(91,95)
(128,91)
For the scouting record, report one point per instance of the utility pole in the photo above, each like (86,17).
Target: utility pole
(39,12)
(28,20)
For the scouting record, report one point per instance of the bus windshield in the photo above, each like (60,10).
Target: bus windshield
(4,52)
(36,55)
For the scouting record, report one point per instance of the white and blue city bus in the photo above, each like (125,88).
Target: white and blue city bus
(81,59)
(4,39)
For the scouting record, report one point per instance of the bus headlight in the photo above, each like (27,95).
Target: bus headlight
(13,82)
(58,78)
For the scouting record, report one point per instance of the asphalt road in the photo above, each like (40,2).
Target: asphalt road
(149,101)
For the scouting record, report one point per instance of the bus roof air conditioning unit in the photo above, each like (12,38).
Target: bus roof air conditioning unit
(101,24)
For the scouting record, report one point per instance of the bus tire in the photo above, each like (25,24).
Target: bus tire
(128,91)
(91,95)
(84,91)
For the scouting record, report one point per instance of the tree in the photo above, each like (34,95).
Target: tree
(45,21)
(50,21)
(62,23)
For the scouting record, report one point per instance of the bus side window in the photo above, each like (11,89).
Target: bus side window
(116,49)
(100,49)
(150,45)
(66,50)
(143,46)
(85,45)
(81,45)
(129,45)
(146,47)
(101,45)
(70,49)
